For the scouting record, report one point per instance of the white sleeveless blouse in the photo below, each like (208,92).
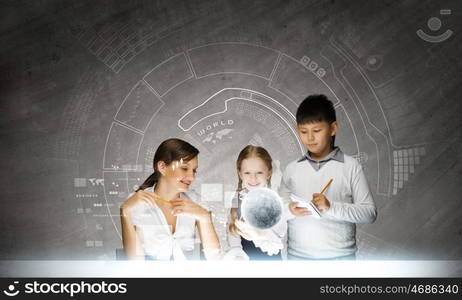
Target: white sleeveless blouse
(156,235)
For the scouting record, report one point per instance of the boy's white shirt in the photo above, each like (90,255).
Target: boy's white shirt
(350,202)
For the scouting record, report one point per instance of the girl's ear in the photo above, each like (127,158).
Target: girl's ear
(162,167)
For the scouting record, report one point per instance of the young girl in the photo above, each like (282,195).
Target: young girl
(159,220)
(254,167)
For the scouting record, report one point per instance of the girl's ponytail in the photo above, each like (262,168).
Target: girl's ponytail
(150,181)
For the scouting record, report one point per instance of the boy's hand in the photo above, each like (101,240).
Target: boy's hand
(298,211)
(321,202)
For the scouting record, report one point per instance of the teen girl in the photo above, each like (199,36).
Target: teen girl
(159,221)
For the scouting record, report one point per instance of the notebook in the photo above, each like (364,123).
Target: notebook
(309,205)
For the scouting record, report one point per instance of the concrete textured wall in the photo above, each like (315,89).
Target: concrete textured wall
(88,90)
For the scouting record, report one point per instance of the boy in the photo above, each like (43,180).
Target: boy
(344,203)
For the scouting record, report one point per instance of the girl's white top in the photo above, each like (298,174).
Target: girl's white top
(156,235)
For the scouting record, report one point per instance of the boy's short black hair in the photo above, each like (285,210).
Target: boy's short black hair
(315,108)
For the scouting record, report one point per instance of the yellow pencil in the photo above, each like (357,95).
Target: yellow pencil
(162,200)
(326,186)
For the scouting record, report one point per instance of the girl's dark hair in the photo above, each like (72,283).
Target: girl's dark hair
(169,151)
(316,108)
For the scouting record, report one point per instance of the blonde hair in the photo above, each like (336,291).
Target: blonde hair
(249,151)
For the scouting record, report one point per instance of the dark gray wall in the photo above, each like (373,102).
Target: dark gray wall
(90,88)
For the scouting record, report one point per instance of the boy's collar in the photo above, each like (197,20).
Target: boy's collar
(335,154)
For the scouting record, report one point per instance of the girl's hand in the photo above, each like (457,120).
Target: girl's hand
(187,207)
(136,199)
(248,232)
